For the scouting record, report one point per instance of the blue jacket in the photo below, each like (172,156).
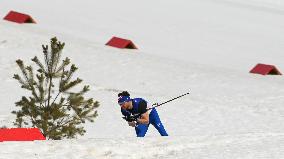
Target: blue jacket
(139,107)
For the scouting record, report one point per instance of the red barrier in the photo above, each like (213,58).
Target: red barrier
(21,134)
(19,17)
(265,69)
(121,43)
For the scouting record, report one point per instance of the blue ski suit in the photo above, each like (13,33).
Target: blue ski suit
(140,107)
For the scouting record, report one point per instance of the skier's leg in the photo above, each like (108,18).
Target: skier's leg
(141,129)
(156,122)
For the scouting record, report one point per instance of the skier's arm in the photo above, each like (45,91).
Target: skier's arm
(144,118)
(125,112)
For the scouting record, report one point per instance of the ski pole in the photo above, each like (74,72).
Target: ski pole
(134,117)
(157,105)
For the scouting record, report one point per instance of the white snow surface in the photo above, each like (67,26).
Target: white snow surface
(205,47)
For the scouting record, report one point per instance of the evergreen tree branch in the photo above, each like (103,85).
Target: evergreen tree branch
(40,88)
(40,65)
(49,91)
(29,82)
(61,124)
(55,98)
(62,75)
(63,64)
(41,109)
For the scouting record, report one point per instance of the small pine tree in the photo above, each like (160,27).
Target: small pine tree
(57,113)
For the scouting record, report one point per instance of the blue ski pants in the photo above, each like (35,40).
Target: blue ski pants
(154,119)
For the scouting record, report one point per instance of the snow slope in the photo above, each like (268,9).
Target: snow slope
(203,47)
(238,146)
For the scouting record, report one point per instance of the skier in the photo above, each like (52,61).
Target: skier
(136,113)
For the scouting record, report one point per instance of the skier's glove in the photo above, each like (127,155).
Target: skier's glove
(133,124)
(155,104)
(130,118)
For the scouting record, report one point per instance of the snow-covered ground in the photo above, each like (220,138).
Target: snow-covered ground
(252,146)
(205,47)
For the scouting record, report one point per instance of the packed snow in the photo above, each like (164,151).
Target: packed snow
(205,47)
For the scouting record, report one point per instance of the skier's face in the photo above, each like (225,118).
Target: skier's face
(125,105)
